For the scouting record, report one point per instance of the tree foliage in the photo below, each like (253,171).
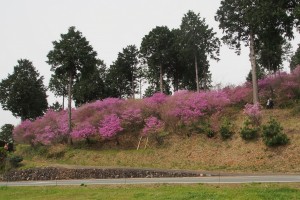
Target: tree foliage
(72,57)
(123,74)
(58,84)
(177,65)
(260,74)
(272,51)
(155,49)
(295,60)
(56,106)
(199,42)
(6,133)
(92,87)
(23,92)
(249,21)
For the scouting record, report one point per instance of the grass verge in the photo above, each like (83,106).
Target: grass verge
(160,191)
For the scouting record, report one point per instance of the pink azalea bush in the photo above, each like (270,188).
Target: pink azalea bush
(24,132)
(153,104)
(109,117)
(253,112)
(110,126)
(83,130)
(156,99)
(51,128)
(131,117)
(283,87)
(239,94)
(106,104)
(152,126)
(191,106)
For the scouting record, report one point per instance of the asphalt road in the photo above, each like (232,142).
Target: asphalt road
(188,180)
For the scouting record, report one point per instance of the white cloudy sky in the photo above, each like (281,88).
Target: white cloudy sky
(29,27)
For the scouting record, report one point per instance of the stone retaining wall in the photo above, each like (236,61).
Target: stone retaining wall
(51,173)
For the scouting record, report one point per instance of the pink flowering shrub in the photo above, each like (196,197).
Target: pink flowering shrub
(110,116)
(84,113)
(181,92)
(253,113)
(49,129)
(156,99)
(24,132)
(110,126)
(239,94)
(83,130)
(217,100)
(153,104)
(189,107)
(131,118)
(108,104)
(283,87)
(45,135)
(152,126)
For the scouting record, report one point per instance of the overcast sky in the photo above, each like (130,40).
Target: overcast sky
(28,28)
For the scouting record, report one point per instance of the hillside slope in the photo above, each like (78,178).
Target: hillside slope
(197,152)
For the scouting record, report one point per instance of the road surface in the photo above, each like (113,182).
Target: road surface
(187,180)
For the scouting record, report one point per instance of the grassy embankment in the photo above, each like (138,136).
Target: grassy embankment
(165,191)
(181,152)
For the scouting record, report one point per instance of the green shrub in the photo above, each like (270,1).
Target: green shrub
(273,135)
(226,129)
(15,160)
(159,137)
(248,131)
(210,133)
(3,156)
(203,127)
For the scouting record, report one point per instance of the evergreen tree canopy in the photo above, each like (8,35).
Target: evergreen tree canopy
(58,84)
(249,20)
(295,59)
(155,50)
(91,87)
(123,73)
(72,57)
(23,92)
(199,42)
(6,133)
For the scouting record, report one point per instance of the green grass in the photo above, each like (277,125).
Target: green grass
(157,192)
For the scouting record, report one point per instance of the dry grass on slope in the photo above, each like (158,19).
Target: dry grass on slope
(196,152)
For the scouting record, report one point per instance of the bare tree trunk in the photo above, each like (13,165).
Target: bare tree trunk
(161,78)
(69,108)
(133,92)
(140,88)
(63,102)
(176,85)
(253,65)
(196,70)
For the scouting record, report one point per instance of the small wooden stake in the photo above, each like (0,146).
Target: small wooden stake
(139,143)
(146,143)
